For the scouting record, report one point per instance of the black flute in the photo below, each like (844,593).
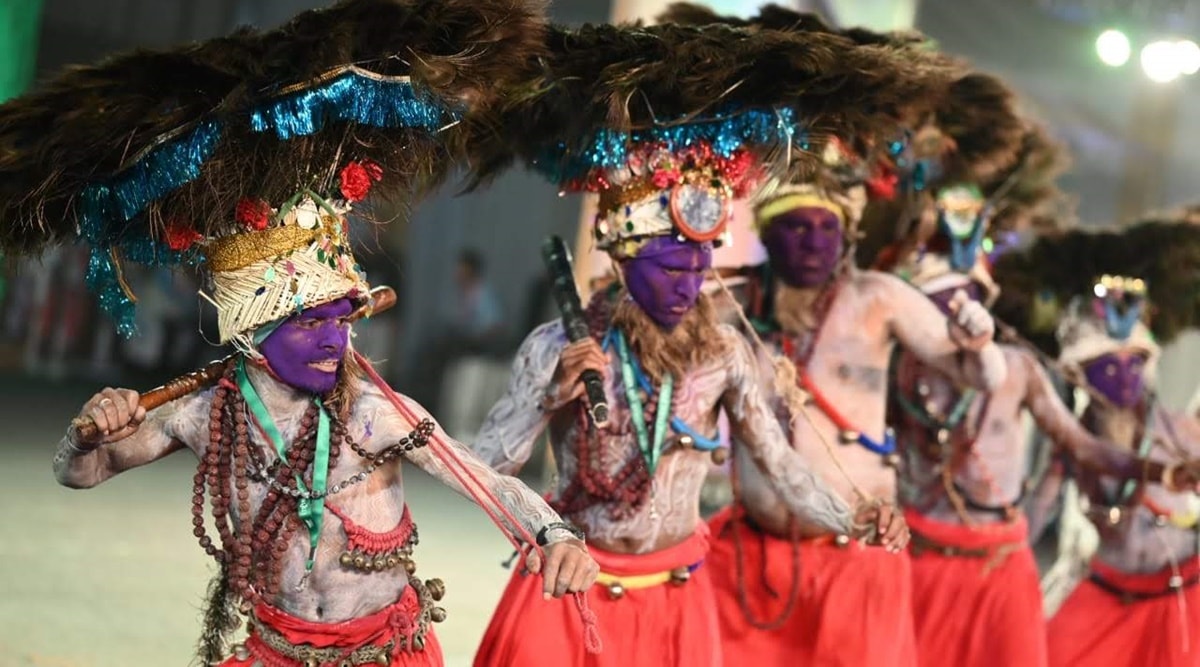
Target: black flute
(557,257)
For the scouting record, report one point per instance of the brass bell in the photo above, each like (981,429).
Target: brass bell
(360,562)
(418,643)
(380,563)
(438,614)
(383,659)
(720,455)
(392,561)
(680,576)
(346,559)
(848,437)
(892,461)
(410,566)
(436,588)
(312,662)
(240,652)
(842,541)
(616,591)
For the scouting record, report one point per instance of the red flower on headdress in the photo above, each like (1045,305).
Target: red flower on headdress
(253,214)
(180,236)
(357,177)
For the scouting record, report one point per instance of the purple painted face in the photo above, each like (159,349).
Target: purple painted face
(1118,376)
(942,299)
(306,351)
(665,277)
(804,245)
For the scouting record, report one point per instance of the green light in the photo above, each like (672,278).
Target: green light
(1113,48)
(988,245)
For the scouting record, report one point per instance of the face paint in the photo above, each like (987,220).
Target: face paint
(665,277)
(804,245)
(1119,377)
(306,351)
(942,298)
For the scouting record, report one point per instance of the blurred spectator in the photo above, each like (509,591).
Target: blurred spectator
(477,318)
(474,327)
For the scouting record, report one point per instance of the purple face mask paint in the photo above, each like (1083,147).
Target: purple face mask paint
(306,351)
(665,277)
(1119,377)
(804,246)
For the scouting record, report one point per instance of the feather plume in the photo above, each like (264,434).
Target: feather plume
(1059,266)
(1026,194)
(603,78)
(330,74)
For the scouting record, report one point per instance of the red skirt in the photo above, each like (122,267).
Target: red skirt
(853,606)
(374,630)
(666,625)
(1097,628)
(973,611)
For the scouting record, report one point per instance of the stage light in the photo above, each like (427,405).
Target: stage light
(1160,61)
(1113,48)
(1187,53)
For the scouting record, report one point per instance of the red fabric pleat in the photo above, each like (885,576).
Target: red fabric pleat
(660,626)
(854,605)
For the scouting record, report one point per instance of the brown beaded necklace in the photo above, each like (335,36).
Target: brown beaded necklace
(254,549)
(627,489)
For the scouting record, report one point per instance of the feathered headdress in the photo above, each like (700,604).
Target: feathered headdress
(669,123)
(1025,196)
(245,152)
(1159,259)
(920,61)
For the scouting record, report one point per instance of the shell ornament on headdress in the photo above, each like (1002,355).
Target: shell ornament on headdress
(243,154)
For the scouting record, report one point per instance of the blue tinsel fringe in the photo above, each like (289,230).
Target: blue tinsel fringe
(350,97)
(609,149)
(105,209)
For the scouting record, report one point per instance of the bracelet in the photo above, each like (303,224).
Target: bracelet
(541,536)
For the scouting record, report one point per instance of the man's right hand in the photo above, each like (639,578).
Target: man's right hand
(576,358)
(116,414)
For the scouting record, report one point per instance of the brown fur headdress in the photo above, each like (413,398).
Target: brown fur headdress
(920,62)
(147,150)
(1038,284)
(1026,195)
(613,81)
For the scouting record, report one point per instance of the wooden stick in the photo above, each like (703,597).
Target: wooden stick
(382,298)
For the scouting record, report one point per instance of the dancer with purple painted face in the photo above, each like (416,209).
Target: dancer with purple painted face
(966,461)
(301,445)
(1140,603)
(667,167)
(834,327)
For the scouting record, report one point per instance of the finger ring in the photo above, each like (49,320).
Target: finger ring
(105,400)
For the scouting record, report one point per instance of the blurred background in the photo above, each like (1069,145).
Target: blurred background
(112,576)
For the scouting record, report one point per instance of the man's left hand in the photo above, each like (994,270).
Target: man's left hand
(569,568)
